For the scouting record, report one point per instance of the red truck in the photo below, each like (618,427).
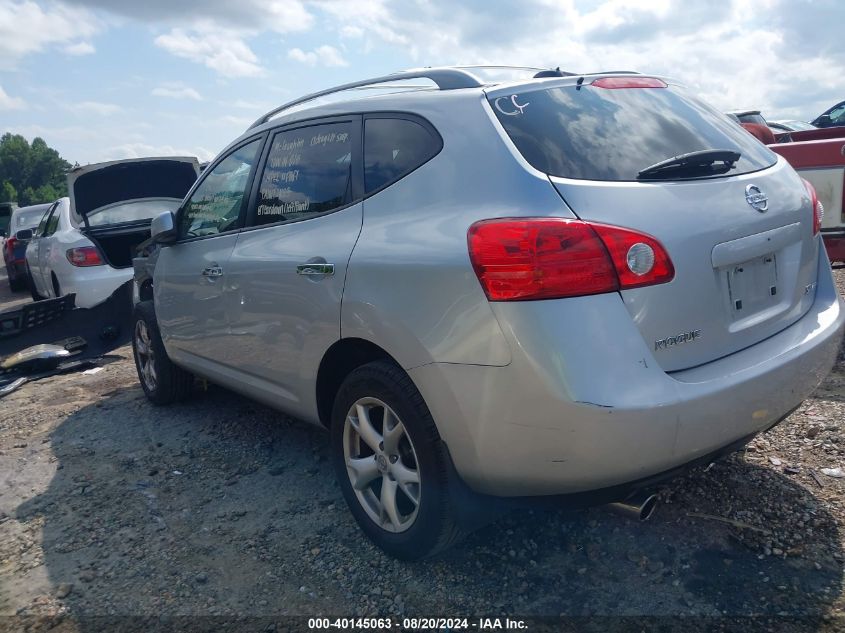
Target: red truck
(819,156)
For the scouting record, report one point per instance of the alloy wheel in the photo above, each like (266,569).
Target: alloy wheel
(382,464)
(146,355)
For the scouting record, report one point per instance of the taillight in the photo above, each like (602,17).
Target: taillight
(631,81)
(817,207)
(550,258)
(85,256)
(10,245)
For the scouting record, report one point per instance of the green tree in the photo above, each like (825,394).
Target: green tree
(7,192)
(34,173)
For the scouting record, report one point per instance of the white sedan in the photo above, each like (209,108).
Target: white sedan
(85,243)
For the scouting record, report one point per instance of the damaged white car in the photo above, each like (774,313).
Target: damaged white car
(85,243)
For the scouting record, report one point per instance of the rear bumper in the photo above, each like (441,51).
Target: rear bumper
(597,412)
(94,284)
(834,242)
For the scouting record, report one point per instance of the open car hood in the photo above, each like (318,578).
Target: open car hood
(96,187)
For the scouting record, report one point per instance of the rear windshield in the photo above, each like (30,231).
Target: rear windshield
(595,133)
(131,181)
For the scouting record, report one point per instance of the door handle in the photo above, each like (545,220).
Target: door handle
(315,269)
(212,272)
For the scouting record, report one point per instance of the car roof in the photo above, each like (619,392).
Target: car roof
(444,83)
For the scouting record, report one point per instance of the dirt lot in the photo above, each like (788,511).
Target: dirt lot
(110,506)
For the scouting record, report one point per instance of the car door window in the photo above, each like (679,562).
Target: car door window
(52,222)
(395,147)
(215,205)
(308,172)
(837,115)
(42,225)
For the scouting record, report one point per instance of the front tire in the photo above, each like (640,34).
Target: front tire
(391,464)
(162,381)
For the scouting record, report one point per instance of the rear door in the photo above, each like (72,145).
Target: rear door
(740,236)
(191,275)
(288,267)
(46,251)
(33,251)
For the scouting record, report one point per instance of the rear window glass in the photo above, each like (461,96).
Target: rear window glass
(595,133)
(394,147)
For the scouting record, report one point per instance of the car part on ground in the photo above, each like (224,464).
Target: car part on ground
(473,288)
(104,327)
(32,315)
(41,361)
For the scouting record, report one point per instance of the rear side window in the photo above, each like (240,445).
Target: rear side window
(42,225)
(308,172)
(591,133)
(393,148)
(52,222)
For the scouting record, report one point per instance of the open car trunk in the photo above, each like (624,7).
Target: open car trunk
(118,245)
(114,203)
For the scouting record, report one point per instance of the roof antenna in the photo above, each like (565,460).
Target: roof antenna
(578,83)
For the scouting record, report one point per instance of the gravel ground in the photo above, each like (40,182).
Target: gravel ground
(220,506)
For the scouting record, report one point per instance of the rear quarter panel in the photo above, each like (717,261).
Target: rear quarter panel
(410,286)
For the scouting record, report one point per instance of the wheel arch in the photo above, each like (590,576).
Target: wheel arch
(343,357)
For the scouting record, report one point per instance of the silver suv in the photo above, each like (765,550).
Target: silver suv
(572,285)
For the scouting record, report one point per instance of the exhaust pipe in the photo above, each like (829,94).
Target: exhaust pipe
(640,505)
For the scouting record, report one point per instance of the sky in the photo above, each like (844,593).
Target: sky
(108,79)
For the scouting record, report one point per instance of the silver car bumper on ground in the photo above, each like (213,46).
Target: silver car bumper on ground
(597,411)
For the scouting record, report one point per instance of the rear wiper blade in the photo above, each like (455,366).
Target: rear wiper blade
(692,160)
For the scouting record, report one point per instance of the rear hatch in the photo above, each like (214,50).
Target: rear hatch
(745,268)
(130,191)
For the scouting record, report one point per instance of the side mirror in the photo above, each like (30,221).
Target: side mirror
(163,228)
(823,121)
(24,234)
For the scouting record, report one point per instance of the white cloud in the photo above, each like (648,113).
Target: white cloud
(26,28)
(80,48)
(281,16)
(221,50)
(140,150)
(94,107)
(322,55)
(8,102)
(176,90)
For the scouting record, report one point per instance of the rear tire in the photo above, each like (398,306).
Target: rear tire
(384,439)
(162,381)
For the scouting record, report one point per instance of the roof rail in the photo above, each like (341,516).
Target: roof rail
(444,78)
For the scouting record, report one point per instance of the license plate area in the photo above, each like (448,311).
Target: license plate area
(753,286)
